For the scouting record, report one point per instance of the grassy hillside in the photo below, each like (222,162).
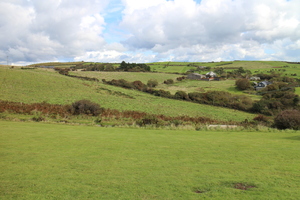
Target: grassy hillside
(128,76)
(41,161)
(40,85)
(185,85)
(254,66)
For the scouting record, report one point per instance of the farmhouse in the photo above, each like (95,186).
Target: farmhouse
(254,78)
(262,85)
(196,76)
(211,75)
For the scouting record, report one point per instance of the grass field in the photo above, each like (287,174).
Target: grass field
(254,66)
(205,86)
(185,85)
(46,161)
(30,86)
(128,76)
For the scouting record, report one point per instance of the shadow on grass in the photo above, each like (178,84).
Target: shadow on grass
(293,138)
(233,89)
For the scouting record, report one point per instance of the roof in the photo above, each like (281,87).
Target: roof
(262,84)
(211,74)
(266,82)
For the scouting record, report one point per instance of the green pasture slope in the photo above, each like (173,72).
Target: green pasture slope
(128,76)
(185,85)
(254,66)
(38,85)
(52,161)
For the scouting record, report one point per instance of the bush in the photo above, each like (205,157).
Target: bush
(261,118)
(64,71)
(152,83)
(180,78)
(139,85)
(169,81)
(148,120)
(162,93)
(181,95)
(38,119)
(85,107)
(288,119)
(243,84)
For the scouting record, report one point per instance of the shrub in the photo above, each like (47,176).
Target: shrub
(162,93)
(152,83)
(85,107)
(288,119)
(180,78)
(196,96)
(169,81)
(243,84)
(139,85)
(38,119)
(181,95)
(148,120)
(64,71)
(261,118)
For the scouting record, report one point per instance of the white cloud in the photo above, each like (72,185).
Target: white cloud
(155,30)
(49,30)
(182,27)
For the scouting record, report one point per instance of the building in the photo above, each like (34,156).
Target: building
(262,85)
(211,75)
(196,76)
(254,78)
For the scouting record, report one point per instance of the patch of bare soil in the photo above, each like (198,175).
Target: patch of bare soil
(243,186)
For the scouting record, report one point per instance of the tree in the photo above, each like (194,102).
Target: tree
(243,84)
(123,66)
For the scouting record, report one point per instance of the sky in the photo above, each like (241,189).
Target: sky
(144,31)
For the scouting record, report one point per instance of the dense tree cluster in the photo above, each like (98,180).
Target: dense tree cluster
(100,67)
(134,67)
(130,67)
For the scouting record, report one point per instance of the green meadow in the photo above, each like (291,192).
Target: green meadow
(52,161)
(253,66)
(38,85)
(128,76)
(78,158)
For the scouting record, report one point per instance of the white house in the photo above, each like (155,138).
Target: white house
(211,74)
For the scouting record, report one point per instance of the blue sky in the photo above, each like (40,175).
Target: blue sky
(148,31)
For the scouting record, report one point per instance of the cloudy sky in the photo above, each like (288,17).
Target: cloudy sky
(148,30)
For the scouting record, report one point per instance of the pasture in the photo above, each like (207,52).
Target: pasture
(30,86)
(52,161)
(128,76)
(253,66)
